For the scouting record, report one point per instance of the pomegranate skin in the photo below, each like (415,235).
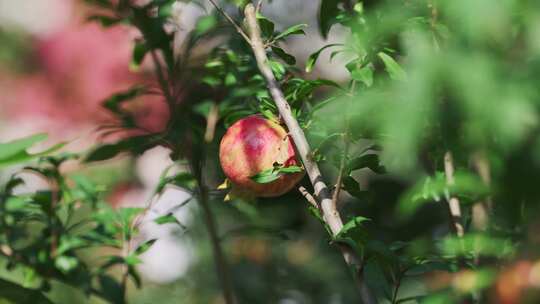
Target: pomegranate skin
(251,145)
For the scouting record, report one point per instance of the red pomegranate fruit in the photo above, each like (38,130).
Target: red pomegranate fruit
(255,144)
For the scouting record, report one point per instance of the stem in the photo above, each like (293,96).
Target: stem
(219,258)
(330,214)
(211,122)
(221,263)
(231,20)
(339,181)
(163,82)
(398,284)
(126,247)
(453,202)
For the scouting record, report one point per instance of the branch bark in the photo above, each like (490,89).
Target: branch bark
(453,202)
(311,200)
(481,209)
(322,193)
(219,257)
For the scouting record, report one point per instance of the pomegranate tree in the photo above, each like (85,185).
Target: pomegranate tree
(253,146)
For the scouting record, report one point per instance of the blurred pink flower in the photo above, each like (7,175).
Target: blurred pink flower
(77,68)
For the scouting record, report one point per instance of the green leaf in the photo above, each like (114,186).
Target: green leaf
(139,52)
(105,21)
(132,260)
(352,225)
(353,235)
(293,30)
(270,175)
(327,15)
(111,289)
(165,10)
(364,75)
(105,152)
(111,261)
(290,169)
(230,79)
(142,248)
(14,152)
(312,59)
(135,276)
(428,266)
(135,144)
(267,26)
(435,188)
(205,24)
(114,102)
(392,67)
(66,263)
(184,180)
(288,58)
(353,188)
(370,161)
(69,243)
(11,293)
(478,244)
(14,147)
(168,219)
(277,68)
(266,176)
(128,214)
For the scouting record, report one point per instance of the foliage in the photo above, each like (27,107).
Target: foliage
(427,79)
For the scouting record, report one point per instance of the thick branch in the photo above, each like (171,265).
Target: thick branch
(330,214)
(312,169)
(453,202)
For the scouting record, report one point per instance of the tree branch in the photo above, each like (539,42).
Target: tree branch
(453,202)
(312,169)
(308,196)
(330,214)
(231,20)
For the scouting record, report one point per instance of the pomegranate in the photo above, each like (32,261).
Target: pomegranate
(255,144)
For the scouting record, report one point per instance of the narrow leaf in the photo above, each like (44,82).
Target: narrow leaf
(142,248)
(288,58)
(312,59)
(392,67)
(266,176)
(293,30)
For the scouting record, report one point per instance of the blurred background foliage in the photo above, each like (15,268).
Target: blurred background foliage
(415,103)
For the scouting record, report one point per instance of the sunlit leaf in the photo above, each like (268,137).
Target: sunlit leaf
(293,30)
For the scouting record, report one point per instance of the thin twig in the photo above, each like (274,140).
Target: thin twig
(330,214)
(481,208)
(339,180)
(231,20)
(126,248)
(211,121)
(396,289)
(453,202)
(162,80)
(308,196)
